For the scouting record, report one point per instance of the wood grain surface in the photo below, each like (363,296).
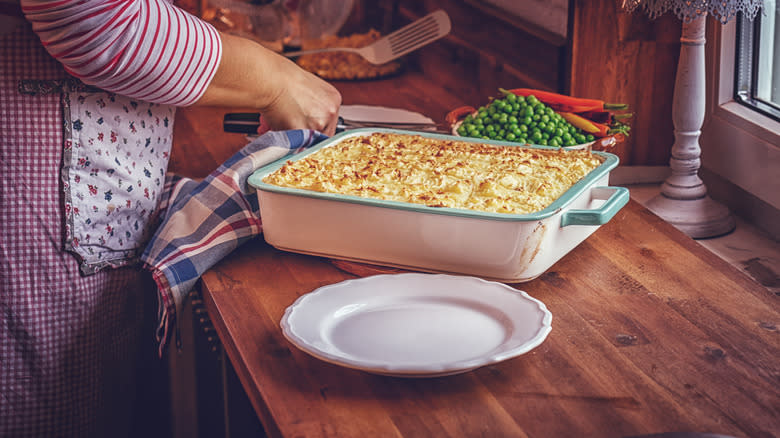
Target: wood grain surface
(627,58)
(651,333)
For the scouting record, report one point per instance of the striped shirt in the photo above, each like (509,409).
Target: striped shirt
(145,49)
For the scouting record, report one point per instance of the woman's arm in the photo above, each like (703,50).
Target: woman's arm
(151,50)
(146,49)
(251,76)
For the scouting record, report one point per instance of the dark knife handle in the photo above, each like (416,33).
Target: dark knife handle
(242,123)
(247,123)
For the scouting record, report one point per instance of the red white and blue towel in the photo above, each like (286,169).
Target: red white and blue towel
(205,221)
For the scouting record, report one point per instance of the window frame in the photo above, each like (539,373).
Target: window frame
(747,85)
(738,143)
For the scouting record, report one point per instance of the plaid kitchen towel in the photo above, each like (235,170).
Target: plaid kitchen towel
(204,221)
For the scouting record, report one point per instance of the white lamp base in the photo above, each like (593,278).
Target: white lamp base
(698,218)
(683,201)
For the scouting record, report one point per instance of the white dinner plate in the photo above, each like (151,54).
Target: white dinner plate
(416,325)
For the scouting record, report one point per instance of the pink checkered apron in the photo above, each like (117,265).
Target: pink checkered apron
(69,343)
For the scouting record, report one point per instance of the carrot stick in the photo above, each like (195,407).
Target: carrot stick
(560,102)
(458,113)
(597,116)
(589,126)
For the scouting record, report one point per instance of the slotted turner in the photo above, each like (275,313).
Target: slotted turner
(404,40)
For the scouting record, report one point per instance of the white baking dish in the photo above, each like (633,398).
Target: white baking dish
(504,247)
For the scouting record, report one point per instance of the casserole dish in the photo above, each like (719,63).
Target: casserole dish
(503,247)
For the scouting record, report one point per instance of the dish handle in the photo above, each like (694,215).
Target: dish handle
(616,198)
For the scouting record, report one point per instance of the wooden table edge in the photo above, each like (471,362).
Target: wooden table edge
(242,371)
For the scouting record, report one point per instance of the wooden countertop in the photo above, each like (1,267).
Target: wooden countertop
(651,331)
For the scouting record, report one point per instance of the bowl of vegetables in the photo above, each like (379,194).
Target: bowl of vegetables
(528,116)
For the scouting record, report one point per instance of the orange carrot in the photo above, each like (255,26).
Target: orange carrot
(589,126)
(560,102)
(458,113)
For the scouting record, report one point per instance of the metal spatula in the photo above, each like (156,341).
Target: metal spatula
(404,40)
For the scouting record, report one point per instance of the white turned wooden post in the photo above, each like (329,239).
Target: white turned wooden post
(683,201)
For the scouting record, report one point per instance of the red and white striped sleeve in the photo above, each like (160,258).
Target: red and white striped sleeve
(145,49)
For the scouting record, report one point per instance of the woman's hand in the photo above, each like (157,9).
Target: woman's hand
(303,101)
(288,97)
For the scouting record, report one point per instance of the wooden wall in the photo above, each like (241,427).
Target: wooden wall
(622,57)
(487,50)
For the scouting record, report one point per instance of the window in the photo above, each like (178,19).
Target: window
(740,145)
(758,61)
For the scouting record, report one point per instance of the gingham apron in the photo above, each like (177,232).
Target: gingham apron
(69,343)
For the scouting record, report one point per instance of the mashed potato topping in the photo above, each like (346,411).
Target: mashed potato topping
(439,173)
